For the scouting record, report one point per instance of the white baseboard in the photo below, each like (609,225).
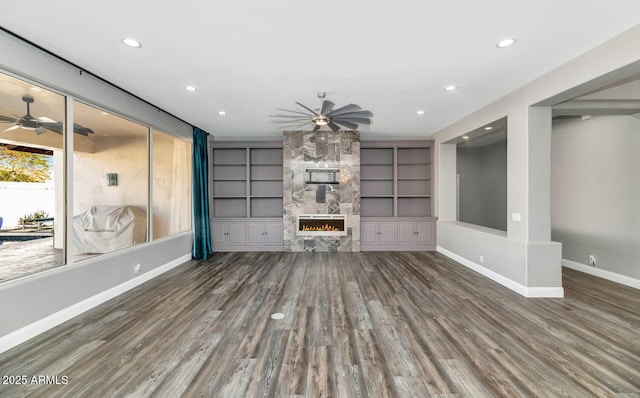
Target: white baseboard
(601,273)
(21,335)
(530,292)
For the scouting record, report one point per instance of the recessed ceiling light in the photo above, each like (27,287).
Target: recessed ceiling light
(508,42)
(103,113)
(450,88)
(190,88)
(131,42)
(465,137)
(222,113)
(34,88)
(420,112)
(488,128)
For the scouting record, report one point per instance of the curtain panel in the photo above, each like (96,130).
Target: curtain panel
(202,248)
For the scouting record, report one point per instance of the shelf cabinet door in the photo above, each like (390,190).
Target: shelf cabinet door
(387,232)
(406,232)
(426,232)
(235,233)
(219,233)
(264,233)
(273,233)
(228,233)
(255,233)
(369,232)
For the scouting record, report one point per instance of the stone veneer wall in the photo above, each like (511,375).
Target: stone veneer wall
(304,149)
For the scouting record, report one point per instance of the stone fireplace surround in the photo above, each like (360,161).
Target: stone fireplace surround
(302,194)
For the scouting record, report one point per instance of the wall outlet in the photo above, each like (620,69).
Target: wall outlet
(136,269)
(592,260)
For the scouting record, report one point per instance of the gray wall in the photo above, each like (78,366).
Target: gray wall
(534,262)
(595,191)
(469,170)
(483,185)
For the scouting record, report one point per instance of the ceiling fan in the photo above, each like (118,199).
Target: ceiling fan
(39,124)
(349,116)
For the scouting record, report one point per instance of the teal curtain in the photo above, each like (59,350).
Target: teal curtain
(201,229)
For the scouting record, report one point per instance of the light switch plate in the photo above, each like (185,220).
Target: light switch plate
(516,216)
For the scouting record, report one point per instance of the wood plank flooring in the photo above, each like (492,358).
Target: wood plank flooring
(355,325)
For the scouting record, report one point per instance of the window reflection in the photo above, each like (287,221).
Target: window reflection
(31,178)
(110,183)
(171,187)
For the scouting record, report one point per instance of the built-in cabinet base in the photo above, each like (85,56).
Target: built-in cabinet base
(247,235)
(397,233)
(377,234)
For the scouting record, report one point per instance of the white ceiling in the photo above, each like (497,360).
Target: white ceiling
(250,57)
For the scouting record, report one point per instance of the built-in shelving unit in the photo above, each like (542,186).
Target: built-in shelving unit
(265,182)
(377,182)
(396,206)
(229,182)
(395,181)
(246,194)
(414,182)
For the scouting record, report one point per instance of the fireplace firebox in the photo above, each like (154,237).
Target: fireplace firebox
(321,225)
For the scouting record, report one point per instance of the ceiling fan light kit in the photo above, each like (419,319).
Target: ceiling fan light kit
(349,116)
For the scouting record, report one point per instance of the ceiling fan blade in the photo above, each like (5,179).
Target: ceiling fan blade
(13,128)
(344,109)
(44,119)
(355,114)
(55,127)
(7,119)
(334,127)
(294,126)
(358,120)
(80,129)
(291,121)
(344,123)
(326,107)
(309,109)
(292,116)
(298,112)
(305,123)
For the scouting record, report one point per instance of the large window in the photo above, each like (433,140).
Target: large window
(104,187)
(171,185)
(110,182)
(31,178)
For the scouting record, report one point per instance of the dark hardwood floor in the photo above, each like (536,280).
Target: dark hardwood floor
(355,325)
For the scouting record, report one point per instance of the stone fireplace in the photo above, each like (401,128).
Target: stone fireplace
(321,184)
